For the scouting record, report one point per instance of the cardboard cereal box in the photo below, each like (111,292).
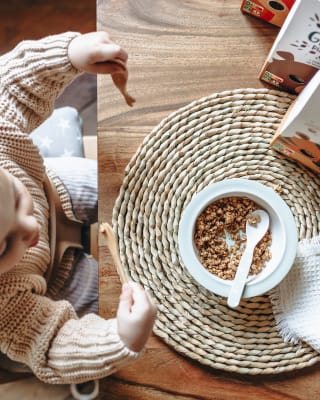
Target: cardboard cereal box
(274,12)
(298,136)
(295,55)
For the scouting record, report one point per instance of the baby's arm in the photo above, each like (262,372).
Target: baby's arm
(32,76)
(35,72)
(91,348)
(60,348)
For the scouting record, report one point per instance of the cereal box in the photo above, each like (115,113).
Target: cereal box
(295,55)
(298,136)
(274,12)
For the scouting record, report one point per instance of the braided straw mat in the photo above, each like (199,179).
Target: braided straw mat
(224,135)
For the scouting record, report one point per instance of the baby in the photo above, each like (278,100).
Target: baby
(37,327)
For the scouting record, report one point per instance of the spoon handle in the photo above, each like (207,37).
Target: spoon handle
(107,230)
(240,278)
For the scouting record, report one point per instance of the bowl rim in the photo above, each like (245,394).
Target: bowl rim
(221,189)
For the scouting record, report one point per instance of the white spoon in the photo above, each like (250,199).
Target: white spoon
(254,234)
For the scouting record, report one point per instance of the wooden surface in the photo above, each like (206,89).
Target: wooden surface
(179,51)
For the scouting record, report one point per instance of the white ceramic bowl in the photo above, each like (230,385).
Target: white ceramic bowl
(283,232)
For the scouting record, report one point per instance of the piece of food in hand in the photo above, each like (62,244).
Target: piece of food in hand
(120,79)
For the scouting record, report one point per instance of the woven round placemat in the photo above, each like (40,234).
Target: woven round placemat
(225,135)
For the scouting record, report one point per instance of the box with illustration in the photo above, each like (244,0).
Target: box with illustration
(298,136)
(274,12)
(295,55)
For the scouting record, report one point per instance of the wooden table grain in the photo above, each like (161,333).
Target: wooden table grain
(179,51)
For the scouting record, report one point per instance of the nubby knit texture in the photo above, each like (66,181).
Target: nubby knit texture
(46,335)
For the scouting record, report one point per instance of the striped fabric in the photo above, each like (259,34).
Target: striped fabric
(79,176)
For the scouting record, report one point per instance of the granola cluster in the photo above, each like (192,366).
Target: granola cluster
(220,237)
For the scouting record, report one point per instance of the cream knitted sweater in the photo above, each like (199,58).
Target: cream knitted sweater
(35,330)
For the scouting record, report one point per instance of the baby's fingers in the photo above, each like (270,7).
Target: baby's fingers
(107,67)
(126,300)
(110,52)
(142,302)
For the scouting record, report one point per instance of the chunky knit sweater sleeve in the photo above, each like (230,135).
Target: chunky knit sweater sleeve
(46,335)
(32,76)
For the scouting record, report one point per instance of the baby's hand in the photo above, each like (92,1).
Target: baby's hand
(96,53)
(136,315)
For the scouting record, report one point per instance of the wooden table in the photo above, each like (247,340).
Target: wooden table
(179,51)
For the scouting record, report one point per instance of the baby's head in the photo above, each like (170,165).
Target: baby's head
(19,229)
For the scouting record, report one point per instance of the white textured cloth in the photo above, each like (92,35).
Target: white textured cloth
(296,300)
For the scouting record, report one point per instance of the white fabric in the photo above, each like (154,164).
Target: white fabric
(60,135)
(296,300)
